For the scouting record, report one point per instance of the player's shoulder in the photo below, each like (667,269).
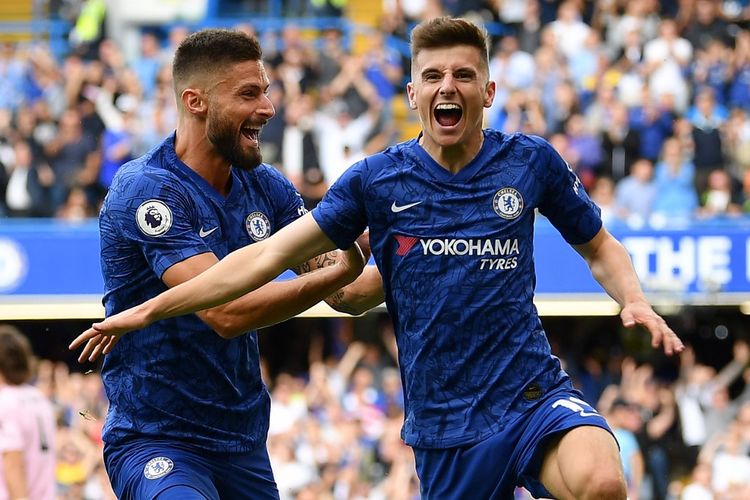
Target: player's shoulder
(263,172)
(266,178)
(144,174)
(516,140)
(393,156)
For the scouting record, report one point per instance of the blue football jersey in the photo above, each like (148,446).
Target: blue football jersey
(177,378)
(456,255)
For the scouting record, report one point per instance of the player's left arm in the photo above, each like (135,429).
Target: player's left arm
(611,266)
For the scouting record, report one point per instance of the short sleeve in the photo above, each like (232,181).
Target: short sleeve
(341,214)
(158,217)
(564,201)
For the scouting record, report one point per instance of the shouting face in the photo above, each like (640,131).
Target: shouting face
(239,107)
(450,88)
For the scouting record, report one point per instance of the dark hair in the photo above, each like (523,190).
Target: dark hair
(16,356)
(448,32)
(209,51)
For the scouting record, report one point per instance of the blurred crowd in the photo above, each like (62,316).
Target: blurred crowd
(648,101)
(684,434)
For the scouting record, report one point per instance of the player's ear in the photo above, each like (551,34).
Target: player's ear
(489,93)
(194,101)
(411,96)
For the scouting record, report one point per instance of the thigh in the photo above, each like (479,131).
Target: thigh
(146,469)
(579,457)
(246,475)
(562,430)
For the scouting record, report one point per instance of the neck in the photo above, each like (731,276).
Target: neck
(454,158)
(195,150)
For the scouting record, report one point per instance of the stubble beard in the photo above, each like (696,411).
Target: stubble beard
(223,137)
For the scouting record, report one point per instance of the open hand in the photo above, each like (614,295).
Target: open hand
(640,313)
(102,337)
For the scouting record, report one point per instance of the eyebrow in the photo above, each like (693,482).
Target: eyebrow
(252,86)
(467,69)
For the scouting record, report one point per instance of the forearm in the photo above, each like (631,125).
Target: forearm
(14,471)
(275,302)
(361,295)
(229,279)
(611,266)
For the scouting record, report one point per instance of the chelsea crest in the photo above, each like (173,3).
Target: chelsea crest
(258,226)
(508,203)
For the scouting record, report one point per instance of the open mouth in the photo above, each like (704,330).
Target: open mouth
(448,114)
(251,133)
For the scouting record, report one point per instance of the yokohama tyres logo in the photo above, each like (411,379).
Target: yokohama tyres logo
(457,246)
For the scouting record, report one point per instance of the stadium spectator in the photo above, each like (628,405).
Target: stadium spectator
(707,118)
(675,198)
(148,64)
(699,484)
(635,194)
(603,194)
(667,59)
(620,142)
(586,147)
(718,198)
(73,155)
(27,433)
(654,121)
(569,29)
(28,183)
(512,70)
(626,422)
(739,85)
(705,24)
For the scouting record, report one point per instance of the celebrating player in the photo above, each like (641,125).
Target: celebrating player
(188,414)
(451,216)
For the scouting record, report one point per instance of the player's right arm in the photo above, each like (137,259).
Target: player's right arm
(240,272)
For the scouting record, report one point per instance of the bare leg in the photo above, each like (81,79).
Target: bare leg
(584,463)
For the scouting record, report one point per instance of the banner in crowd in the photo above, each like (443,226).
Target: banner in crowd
(703,263)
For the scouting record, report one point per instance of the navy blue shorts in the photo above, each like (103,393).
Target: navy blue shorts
(144,469)
(491,469)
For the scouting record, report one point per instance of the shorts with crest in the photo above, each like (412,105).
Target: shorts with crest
(147,468)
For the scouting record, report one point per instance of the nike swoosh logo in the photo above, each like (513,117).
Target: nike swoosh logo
(396,209)
(203,233)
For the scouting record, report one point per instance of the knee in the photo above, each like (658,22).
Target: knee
(605,487)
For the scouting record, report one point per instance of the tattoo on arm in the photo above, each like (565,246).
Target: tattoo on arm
(327,259)
(336,301)
(324,260)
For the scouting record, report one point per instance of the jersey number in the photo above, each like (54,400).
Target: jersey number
(575,405)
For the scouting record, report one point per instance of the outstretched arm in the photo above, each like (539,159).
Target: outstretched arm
(238,273)
(611,266)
